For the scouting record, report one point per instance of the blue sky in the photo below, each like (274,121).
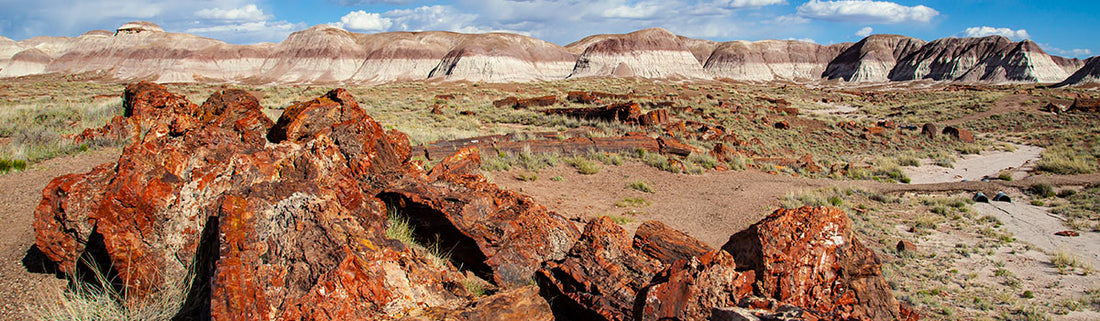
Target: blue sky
(1065,28)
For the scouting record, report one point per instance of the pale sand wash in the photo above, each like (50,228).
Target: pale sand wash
(975,167)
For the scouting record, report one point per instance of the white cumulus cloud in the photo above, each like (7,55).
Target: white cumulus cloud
(361,20)
(641,10)
(751,3)
(247,13)
(1075,53)
(866,31)
(810,40)
(864,11)
(436,17)
(985,31)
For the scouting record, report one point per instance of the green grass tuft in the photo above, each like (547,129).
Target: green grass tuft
(641,187)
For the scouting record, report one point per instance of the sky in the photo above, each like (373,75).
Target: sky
(1061,27)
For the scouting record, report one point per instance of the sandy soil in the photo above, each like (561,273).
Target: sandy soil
(709,207)
(21,193)
(1036,225)
(975,167)
(834,109)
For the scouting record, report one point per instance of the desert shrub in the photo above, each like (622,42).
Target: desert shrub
(608,158)
(946,162)
(398,227)
(704,160)
(528,176)
(908,159)
(1061,159)
(740,162)
(584,165)
(657,160)
(619,219)
(1041,190)
(632,202)
(641,187)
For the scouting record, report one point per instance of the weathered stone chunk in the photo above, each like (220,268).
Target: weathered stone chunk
(602,275)
(809,257)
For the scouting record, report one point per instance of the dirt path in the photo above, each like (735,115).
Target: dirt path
(975,167)
(20,193)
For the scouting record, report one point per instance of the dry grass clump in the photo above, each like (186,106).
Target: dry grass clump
(584,165)
(1061,159)
(641,187)
(39,132)
(96,299)
(1068,264)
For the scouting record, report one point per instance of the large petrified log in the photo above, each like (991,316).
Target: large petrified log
(279,223)
(288,221)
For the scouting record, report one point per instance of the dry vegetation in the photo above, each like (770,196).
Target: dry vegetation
(965,268)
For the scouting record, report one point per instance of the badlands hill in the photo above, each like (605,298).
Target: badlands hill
(993,59)
(1088,74)
(326,54)
(872,58)
(771,60)
(649,53)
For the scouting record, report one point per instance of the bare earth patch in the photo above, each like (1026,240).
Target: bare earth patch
(709,207)
(21,193)
(975,167)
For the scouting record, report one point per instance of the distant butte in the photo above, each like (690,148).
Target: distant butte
(142,50)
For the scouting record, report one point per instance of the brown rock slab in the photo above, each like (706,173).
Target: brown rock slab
(517,304)
(1068,233)
(672,146)
(602,275)
(959,134)
(666,244)
(689,289)
(501,235)
(929,130)
(906,246)
(628,113)
(809,257)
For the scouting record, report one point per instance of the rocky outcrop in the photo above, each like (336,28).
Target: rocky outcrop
(1086,75)
(283,217)
(298,219)
(648,53)
(809,257)
(601,277)
(771,60)
(992,59)
(871,59)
